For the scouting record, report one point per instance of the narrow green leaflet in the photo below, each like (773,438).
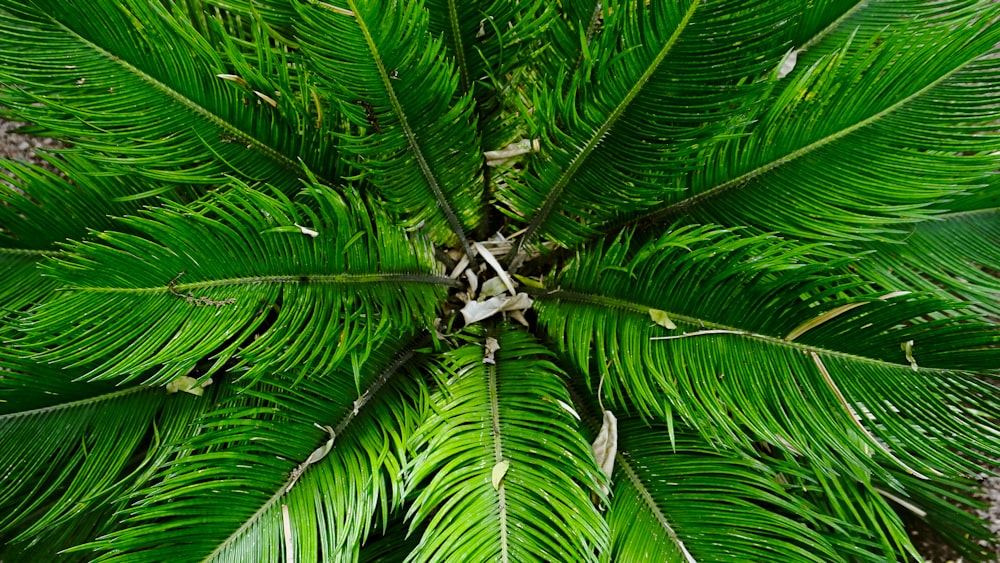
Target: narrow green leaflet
(540,508)
(861,140)
(418,141)
(843,390)
(630,121)
(225,494)
(161,113)
(498,280)
(32,226)
(237,279)
(493,43)
(953,255)
(684,500)
(69,449)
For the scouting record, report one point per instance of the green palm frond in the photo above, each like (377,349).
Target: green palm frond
(316,273)
(32,226)
(492,44)
(56,210)
(955,255)
(778,371)
(389,76)
(69,449)
(502,444)
(325,452)
(683,496)
(161,113)
(665,95)
(947,507)
(920,102)
(825,26)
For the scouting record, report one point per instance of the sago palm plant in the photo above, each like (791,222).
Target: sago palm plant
(414,280)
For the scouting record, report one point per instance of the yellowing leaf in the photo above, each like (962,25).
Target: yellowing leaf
(499,471)
(660,317)
(606,445)
(907,348)
(530,282)
(820,319)
(234,78)
(286,522)
(188,385)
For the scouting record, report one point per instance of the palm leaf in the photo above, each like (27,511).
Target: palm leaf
(510,482)
(493,43)
(69,448)
(163,113)
(948,508)
(683,500)
(31,226)
(955,255)
(895,143)
(747,228)
(248,282)
(630,140)
(815,375)
(225,494)
(393,79)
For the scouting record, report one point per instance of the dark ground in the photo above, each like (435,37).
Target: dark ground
(22,147)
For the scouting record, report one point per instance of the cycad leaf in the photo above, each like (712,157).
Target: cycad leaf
(540,509)
(68,449)
(947,506)
(952,255)
(31,226)
(238,278)
(41,208)
(159,112)
(683,500)
(21,283)
(841,390)
(493,43)
(902,117)
(222,498)
(419,142)
(623,146)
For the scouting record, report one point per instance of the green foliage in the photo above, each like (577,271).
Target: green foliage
(760,236)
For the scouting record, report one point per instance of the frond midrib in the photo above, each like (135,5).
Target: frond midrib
(74,404)
(641,309)
(29,252)
(648,500)
(411,136)
(595,139)
(958,215)
(378,384)
(821,34)
(329,279)
(459,51)
(494,393)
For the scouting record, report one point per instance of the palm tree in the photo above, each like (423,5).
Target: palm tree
(694,280)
